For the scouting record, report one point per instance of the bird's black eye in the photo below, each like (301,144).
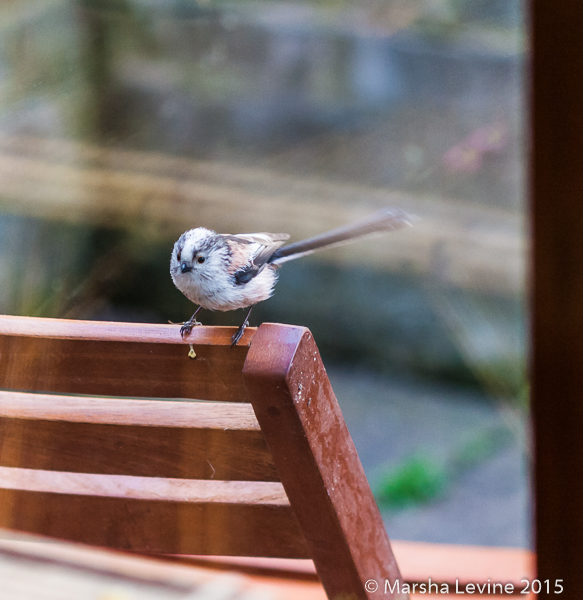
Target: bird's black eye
(200,260)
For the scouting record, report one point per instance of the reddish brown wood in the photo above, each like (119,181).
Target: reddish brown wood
(181,452)
(112,368)
(112,438)
(266,493)
(155,515)
(317,462)
(120,359)
(109,331)
(156,526)
(149,452)
(193,440)
(128,411)
(557,321)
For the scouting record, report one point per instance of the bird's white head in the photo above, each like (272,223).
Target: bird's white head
(197,256)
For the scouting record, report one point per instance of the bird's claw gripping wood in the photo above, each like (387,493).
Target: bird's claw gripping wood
(239,333)
(187,327)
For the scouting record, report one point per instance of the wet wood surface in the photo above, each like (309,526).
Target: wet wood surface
(154,515)
(61,476)
(190,440)
(111,331)
(318,463)
(116,359)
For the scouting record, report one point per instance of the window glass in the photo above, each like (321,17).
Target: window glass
(124,123)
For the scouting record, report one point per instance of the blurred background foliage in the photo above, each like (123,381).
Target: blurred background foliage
(125,122)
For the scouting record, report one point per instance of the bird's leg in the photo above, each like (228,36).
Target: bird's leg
(188,325)
(239,333)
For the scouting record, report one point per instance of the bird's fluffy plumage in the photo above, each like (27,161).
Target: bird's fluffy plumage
(226,272)
(234,272)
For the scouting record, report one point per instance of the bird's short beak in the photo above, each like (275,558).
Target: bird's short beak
(184,268)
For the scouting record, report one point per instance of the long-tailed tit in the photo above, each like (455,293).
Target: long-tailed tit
(225,272)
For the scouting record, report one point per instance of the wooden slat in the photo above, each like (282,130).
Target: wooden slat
(144,488)
(191,440)
(123,568)
(325,481)
(111,331)
(99,359)
(152,515)
(128,411)
(128,450)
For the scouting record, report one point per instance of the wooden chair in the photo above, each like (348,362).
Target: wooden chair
(95,447)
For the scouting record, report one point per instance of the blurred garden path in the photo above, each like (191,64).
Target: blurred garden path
(391,419)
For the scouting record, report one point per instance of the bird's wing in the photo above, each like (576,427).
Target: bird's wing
(262,238)
(263,247)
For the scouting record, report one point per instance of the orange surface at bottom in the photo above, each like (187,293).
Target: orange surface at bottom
(455,566)
(288,579)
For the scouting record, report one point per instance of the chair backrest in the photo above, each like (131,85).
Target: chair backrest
(112,435)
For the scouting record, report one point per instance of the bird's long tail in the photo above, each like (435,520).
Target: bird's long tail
(382,221)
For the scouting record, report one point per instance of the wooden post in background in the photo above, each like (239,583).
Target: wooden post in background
(557,297)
